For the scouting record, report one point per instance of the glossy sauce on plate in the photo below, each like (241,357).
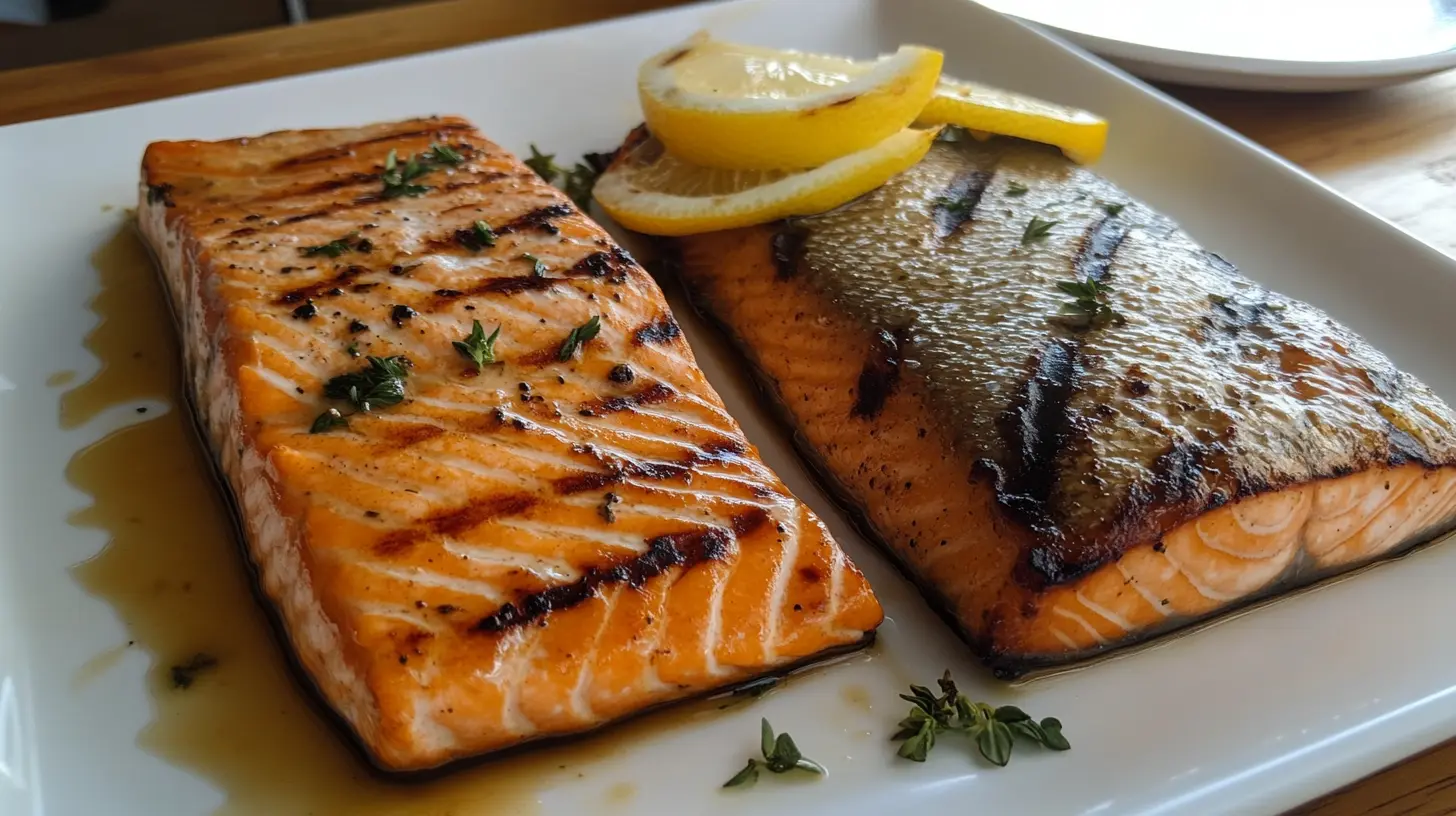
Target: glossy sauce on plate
(176,577)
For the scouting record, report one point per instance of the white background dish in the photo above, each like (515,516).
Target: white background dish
(1286,45)
(1255,715)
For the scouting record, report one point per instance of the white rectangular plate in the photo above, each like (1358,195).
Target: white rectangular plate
(1255,715)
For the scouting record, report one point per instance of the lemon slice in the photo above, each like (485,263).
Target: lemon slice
(1080,135)
(650,190)
(741,107)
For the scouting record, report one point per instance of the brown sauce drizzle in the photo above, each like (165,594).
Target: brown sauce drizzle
(174,572)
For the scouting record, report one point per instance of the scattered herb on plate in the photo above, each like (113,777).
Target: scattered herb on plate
(1089,307)
(1036,230)
(577,337)
(333,249)
(1113,209)
(994,729)
(328,421)
(780,755)
(380,383)
(477,347)
(576,182)
(476,237)
(399,179)
(1016,188)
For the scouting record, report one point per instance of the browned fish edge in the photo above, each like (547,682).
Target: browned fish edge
(315,697)
(1004,667)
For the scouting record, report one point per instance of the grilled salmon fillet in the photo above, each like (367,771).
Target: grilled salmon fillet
(471,554)
(1078,431)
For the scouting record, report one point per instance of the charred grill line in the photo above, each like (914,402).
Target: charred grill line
(657,392)
(541,219)
(788,248)
(324,287)
(439,132)
(877,379)
(958,204)
(1039,427)
(661,330)
(455,521)
(1099,244)
(495,286)
(686,550)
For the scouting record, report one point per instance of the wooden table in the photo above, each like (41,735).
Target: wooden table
(1392,150)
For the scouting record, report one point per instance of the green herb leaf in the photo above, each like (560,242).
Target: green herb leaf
(380,383)
(766,742)
(577,337)
(544,164)
(444,154)
(785,754)
(399,181)
(993,729)
(919,743)
(538,266)
(994,741)
(476,237)
(958,209)
(1114,209)
(747,776)
(328,421)
(1010,714)
(579,182)
(336,247)
(1089,307)
(1051,727)
(1036,230)
(352,350)
(805,764)
(477,347)
(1016,188)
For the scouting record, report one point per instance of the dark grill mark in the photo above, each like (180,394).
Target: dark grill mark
(602,264)
(958,204)
(316,188)
(1036,425)
(660,330)
(455,521)
(242,231)
(1099,244)
(540,219)
(788,249)
(657,392)
(621,373)
(686,550)
(320,288)
(496,286)
(294,219)
(439,132)
(878,377)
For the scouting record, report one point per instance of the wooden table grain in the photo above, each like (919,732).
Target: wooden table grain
(1392,150)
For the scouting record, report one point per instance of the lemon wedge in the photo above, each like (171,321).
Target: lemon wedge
(1079,134)
(653,191)
(742,107)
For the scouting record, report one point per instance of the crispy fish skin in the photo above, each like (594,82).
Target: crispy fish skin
(1056,488)
(526,550)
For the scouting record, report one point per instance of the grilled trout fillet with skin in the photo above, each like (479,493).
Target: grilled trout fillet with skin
(1059,487)
(554,541)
